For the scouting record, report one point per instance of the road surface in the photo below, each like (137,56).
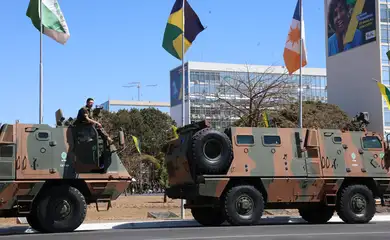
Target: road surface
(372,231)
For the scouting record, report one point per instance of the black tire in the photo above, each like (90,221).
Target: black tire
(233,210)
(211,151)
(318,214)
(354,200)
(34,223)
(208,216)
(50,204)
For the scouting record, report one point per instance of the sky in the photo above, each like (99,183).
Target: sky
(114,44)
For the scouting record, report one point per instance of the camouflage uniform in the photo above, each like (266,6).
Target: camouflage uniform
(82,120)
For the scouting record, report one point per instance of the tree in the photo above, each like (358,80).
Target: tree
(153,129)
(246,94)
(314,115)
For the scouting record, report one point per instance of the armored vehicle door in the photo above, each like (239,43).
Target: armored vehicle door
(332,161)
(35,153)
(86,149)
(369,155)
(313,152)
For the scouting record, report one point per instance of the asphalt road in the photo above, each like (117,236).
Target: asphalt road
(372,231)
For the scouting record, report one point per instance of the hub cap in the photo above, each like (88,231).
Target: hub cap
(61,209)
(358,204)
(244,205)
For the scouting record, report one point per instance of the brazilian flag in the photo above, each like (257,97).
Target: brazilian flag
(173,35)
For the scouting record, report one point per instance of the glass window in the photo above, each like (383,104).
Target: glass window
(272,140)
(245,139)
(6,151)
(384,33)
(387,116)
(383,13)
(371,142)
(337,139)
(385,48)
(385,75)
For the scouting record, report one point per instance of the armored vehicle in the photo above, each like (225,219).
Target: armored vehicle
(50,174)
(234,175)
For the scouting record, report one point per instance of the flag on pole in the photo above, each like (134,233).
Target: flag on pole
(53,21)
(173,34)
(385,93)
(291,53)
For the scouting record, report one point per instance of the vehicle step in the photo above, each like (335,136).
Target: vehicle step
(103,200)
(332,197)
(26,204)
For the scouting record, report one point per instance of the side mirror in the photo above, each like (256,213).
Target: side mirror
(121,138)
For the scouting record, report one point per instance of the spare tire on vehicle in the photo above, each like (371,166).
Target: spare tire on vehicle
(212,151)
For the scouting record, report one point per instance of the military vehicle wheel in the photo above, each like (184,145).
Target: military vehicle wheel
(318,214)
(212,151)
(208,216)
(61,209)
(356,204)
(244,205)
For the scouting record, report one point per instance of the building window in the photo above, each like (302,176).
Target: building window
(384,33)
(385,75)
(387,116)
(385,48)
(384,13)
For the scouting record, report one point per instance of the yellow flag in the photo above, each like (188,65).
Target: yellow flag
(174,128)
(265,119)
(136,143)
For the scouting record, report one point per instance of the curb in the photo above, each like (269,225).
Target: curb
(175,224)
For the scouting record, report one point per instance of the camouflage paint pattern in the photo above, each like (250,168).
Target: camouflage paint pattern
(290,165)
(32,155)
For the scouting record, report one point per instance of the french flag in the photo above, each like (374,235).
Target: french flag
(292,49)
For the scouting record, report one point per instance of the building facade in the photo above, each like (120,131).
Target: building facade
(211,82)
(385,47)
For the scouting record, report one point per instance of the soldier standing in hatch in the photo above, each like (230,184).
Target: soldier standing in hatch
(85,116)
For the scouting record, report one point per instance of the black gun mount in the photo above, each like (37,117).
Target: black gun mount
(363,118)
(97,111)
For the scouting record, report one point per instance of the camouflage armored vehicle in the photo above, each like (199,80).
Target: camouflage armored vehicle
(50,174)
(234,175)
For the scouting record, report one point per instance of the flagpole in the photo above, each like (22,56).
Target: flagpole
(182,211)
(300,65)
(40,66)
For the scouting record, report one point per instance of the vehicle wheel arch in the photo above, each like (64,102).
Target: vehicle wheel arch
(79,184)
(256,182)
(369,182)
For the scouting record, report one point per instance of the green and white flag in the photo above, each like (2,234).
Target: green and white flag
(53,21)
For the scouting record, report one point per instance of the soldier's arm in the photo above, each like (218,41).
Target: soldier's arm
(91,120)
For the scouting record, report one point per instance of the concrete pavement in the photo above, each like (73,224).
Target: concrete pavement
(330,231)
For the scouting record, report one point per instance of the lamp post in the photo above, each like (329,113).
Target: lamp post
(138,85)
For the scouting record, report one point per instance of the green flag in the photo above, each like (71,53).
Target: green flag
(53,21)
